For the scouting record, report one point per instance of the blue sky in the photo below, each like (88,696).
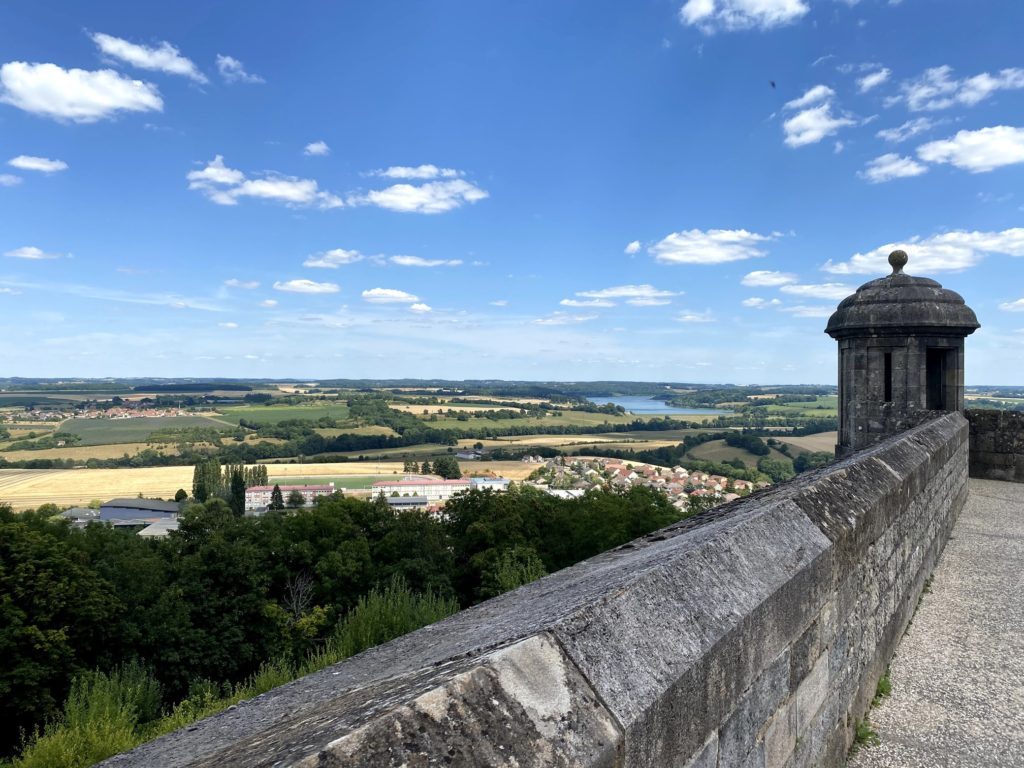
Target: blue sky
(528,190)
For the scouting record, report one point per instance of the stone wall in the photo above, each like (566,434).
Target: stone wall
(751,635)
(997,445)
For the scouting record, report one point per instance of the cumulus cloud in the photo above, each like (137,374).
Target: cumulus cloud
(332,259)
(305,286)
(419,172)
(417,261)
(269,303)
(814,121)
(715,246)
(78,95)
(803,310)
(907,130)
(632,248)
(765,278)
(891,166)
(690,316)
(564,318)
(389,296)
(224,186)
(977,151)
(820,291)
(432,197)
(1012,306)
(247,285)
(756,302)
(41,164)
(948,252)
(164,58)
(317,148)
(499,303)
(420,308)
(711,16)
(629,292)
(233,71)
(875,79)
(9,180)
(586,303)
(31,253)
(936,90)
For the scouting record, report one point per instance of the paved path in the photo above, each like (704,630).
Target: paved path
(958,676)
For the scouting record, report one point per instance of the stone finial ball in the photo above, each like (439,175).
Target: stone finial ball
(898,260)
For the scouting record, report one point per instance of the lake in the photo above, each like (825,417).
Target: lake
(647,406)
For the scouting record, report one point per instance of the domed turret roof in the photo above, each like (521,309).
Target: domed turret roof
(902,304)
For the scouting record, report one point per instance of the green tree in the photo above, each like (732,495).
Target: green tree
(181,495)
(236,499)
(426,469)
(276,498)
(447,467)
(296,499)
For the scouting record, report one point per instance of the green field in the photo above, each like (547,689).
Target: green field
(825,405)
(272,414)
(574,418)
(717,450)
(112,431)
(340,481)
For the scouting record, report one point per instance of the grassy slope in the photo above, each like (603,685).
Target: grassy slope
(110,431)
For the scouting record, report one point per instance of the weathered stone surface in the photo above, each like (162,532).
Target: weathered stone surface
(684,646)
(997,445)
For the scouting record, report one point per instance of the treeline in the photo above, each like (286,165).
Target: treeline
(209,606)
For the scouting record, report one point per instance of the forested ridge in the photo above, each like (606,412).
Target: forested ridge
(227,605)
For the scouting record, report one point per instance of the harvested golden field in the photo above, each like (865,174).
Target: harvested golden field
(351,468)
(87,451)
(418,410)
(24,488)
(823,441)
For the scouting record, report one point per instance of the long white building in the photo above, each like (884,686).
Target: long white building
(435,489)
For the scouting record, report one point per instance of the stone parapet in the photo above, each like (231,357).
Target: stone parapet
(997,444)
(750,635)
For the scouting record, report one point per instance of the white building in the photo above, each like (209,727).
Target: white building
(435,489)
(258,496)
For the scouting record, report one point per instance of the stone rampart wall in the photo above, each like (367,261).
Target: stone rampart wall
(997,445)
(752,635)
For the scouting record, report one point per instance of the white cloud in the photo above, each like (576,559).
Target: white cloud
(248,285)
(164,58)
(318,148)
(432,197)
(9,180)
(891,166)
(1012,306)
(690,316)
(977,151)
(9,291)
(935,90)
(644,291)
(814,121)
(766,278)
(499,303)
(389,296)
(420,172)
(332,259)
(228,325)
(269,303)
(564,318)
(815,95)
(644,302)
(875,79)
(305,286)
(41,164)
(711,16)
(907,130)
(632,248)
(802,310)
(225,186)
(420,308)
(586,303)
(417,261)
(820,291)
(714,246)
(233,71)
(756,302)
(79,95)
(948,252)
(31,253)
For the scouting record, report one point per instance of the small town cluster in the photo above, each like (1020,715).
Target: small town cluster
(570,478)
